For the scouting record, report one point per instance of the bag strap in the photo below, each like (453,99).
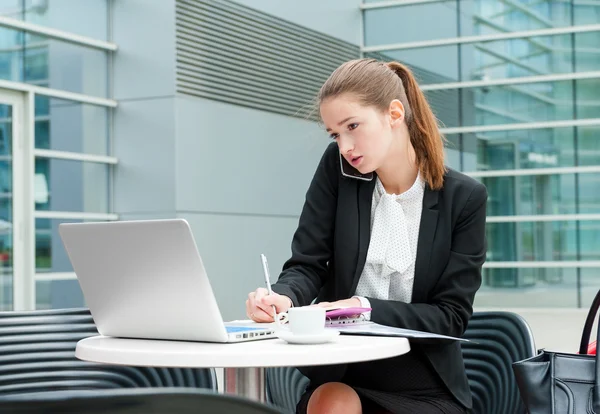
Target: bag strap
(589,323)
(586,335)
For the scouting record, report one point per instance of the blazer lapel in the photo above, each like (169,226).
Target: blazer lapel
(364,202)
(427,227)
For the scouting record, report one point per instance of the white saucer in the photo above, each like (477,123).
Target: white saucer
(326,336)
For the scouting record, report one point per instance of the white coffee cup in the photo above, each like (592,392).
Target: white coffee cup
(305,320)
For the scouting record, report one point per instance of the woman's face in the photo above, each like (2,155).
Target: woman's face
(364,134)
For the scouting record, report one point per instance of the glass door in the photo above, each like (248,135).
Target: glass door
(16,208)
(6,207)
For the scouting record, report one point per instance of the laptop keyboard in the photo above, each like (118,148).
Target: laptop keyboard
(234,329)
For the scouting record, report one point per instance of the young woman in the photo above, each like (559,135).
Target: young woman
(409,243)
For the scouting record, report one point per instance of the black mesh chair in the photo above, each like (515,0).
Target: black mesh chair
(37,354)
(498,340)
(284,387)
(132,401)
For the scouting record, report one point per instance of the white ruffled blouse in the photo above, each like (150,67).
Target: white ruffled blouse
(390,266)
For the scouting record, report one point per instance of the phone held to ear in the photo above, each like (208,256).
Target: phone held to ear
(351,172)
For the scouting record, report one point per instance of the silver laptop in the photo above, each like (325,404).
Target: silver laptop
(145,279)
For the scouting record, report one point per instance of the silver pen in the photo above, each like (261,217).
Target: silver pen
(268,282)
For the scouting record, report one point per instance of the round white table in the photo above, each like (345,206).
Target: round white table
(244,362)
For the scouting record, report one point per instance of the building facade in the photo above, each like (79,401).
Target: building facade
(515,86)
(203,110)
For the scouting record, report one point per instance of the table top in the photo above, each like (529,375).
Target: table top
(261,353)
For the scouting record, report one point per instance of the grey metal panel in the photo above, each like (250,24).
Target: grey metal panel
(230,246)
(232,53)
(144,65)
(144,180)
(231,159)
(338,18)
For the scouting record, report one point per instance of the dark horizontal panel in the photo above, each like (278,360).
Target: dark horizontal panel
(253,68)
(208,31)
(249,101)
(233,77)
(220,83)
(258,33)
(205,74)
(220,87)
(273,63)
(230,53)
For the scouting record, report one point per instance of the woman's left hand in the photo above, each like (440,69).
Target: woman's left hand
(345,303)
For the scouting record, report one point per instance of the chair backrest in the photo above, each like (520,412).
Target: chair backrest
(37,353)
(285,386)
(132,401)
(498,340)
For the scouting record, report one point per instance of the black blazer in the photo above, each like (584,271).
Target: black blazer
(329,251)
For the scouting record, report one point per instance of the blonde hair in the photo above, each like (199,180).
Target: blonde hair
(376,83)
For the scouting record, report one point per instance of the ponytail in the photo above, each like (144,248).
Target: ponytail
(425,136)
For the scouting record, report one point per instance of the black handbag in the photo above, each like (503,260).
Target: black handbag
(560,383)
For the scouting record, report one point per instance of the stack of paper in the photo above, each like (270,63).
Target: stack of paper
(375,329)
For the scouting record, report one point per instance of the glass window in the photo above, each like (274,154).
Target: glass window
(533,194)
(67,66)
(589,239)
(452,158)
(58,294)
(587,13)
(539,288)
(425,62)
(520,149)
(510,58)
(543,194)
(6,209)
(589,196)
(34,59)
(588,97)
(590,285)
(535,102)
(11,54)
(479,17)
(71,126)
(86,18)
(68,185)
(443,105)
(50,254)
(509,104)
(401,24)
(405,24)
(537,148)
(588,145)
(499,59)
(544,241)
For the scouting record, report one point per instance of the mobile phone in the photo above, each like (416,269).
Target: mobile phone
(351,172)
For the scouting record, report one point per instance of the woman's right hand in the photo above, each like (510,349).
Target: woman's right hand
(259,305)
